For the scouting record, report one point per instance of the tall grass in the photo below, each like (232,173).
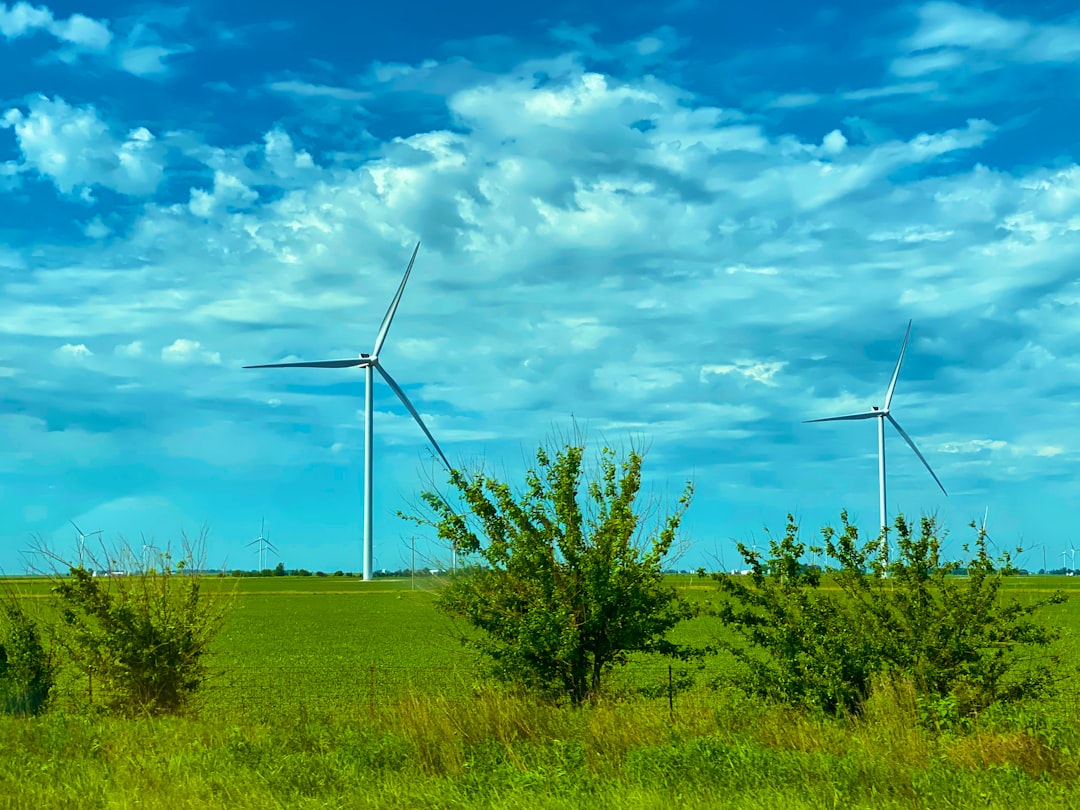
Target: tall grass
(502,750)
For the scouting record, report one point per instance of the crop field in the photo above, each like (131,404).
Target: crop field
(312,643)
(333,692)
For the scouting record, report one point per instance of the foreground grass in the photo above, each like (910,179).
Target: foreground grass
(499,751)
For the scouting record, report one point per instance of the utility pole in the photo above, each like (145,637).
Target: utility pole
(412,566)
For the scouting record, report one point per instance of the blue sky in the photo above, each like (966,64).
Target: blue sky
(682,225)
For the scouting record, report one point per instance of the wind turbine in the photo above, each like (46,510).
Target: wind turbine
(82,539)
(881,414)
(370,363)
(264,543)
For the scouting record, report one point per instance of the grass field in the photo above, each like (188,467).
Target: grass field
(332,692)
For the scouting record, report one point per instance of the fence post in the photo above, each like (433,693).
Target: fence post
(670,695)
(371,694)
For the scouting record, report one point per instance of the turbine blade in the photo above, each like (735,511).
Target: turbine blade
(911,444)
(80,531)
(867,415)
(415,414)
(896,371)
(356,361)
(384,328)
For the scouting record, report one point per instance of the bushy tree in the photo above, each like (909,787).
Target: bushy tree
(568,586)
(141,636)
(957,639)
(26,667)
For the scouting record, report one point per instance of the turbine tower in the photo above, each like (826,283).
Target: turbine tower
(370,363)
(881,414)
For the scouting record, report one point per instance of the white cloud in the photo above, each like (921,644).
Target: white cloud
(22,19)
(282,157)
(96,229)
(951,36)
(133,349)
(972,446)
(228,194)
(146,60)
(76,352)
(890,90)
(75,149)
(756,371)
(834,143)
(293,87)
(187,351)
(790,101)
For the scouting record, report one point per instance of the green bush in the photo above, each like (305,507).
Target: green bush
(962,645)
(26,668)
(141,636)
(568,587)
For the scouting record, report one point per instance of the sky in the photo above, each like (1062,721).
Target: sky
(681,226)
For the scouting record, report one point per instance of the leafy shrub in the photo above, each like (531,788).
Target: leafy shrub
(142,636)
(26,668)
(568,588)
(963,646)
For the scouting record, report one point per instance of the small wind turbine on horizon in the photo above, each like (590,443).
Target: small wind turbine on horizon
(82,539)
(881,414)
(264,543)
(370,363)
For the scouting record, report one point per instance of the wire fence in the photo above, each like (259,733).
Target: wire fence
(362,690)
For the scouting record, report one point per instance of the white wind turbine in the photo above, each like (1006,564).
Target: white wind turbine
(370,363)
(881,414)
(82,539)
(264,543)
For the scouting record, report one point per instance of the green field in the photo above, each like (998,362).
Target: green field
(333,692)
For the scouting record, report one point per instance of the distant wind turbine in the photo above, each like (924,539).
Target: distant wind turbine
(370,363)
(881,414)
(264,543)
(82,539)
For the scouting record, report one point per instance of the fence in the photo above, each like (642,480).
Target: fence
(359,691)
(266,691)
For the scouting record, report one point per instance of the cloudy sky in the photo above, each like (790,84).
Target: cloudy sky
(690,225)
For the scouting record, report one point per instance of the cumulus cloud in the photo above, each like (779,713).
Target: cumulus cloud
(184,351)
(23,19)
(228,194)
(77,150)
(133,349)
(74,352)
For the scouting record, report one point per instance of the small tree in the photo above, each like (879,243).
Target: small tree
(141,634)
(26,668)
(956,639)
(567,588)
